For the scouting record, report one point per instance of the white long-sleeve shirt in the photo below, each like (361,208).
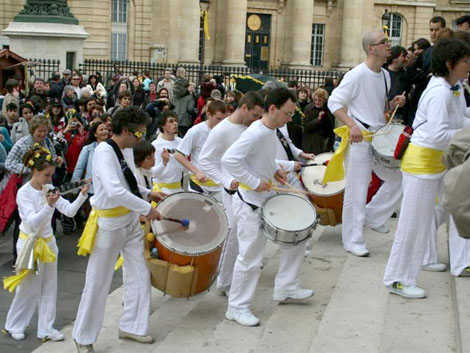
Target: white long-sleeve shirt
(35,212)
(281,156)
(173,171)
(111,188)
(362,93)
(191,145)
(221,137)
(439,116)
(251,159)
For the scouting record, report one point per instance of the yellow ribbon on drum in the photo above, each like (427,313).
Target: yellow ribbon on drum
(42,252)
(335,168)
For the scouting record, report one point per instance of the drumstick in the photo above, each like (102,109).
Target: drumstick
(314,164)
(184,222)
(289,190)
(394,112)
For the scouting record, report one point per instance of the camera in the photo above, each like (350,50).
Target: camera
(75,123)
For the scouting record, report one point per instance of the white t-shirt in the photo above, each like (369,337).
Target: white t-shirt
(221,137)
(281,155)
(362,93)
(439,116)
(111,188)
(173,171)
(251,159)
(35,212)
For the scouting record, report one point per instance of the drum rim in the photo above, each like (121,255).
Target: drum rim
(382,127)
(378,154)
(194,254)
(284,230)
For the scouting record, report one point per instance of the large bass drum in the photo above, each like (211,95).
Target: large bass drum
(188,258)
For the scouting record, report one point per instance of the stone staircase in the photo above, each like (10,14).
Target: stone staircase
(351,311)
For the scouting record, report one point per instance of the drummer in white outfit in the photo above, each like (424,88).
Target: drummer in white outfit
(220,138)
(438,117)
(363,93)
(121,233)
(250,161)
(191,146)
(167,174)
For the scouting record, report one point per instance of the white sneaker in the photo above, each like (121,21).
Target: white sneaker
(84,348)
(245,318)
(307,252)
(138,338)
(360,252)
(407,291)
(382,229)
(281,295)
(19,336)
(438,267)
(55,336)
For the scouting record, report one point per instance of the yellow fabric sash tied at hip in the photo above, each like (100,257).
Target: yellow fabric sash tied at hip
(87,240)
(41,252)
(335,168)
(422,160)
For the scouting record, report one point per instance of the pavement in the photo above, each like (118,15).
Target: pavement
(351,311)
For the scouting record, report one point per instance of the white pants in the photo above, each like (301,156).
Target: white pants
(136,277)
(387,200)
(414,229)
(35,291)
(459,250)
(440,216)
(230,251)
(247,267)
(359,166)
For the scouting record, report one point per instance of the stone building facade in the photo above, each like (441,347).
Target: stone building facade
(320,34)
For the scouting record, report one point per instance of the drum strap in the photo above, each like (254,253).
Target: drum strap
(195,187)
(253,207)
(230,192)
(128,174)
(285,145)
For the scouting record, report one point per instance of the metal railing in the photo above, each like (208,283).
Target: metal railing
(108,69)
(43,68)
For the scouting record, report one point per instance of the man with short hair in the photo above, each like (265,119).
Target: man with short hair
(436,25)
(13,92)
(11,113)
(463,23)
(219,140)
(191,146)
(360,102)
(166,82)
(251,161)
(396,68)
(75,82)
(117,201)
(124,101)
(65,81)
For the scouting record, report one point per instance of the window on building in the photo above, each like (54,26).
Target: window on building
(396,24)
(318,44)
(119,26)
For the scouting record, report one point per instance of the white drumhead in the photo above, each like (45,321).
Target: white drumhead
(289,212)
(312,178)
(207,229)
(385,144)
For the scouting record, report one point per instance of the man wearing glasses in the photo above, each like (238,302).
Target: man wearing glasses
(251,161)
(75,82)
(360,102)
(117,203)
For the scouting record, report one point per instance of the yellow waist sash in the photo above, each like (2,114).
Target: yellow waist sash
(42,252)
(422,160)
(246,187)
(208,183)
(87,240)
(159,186)
(335,168)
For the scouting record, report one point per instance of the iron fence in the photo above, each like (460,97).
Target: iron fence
(108,69)
(43,68)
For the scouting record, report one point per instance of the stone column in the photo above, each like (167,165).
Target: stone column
(189,32)
(235,32)
(351,33)
(301,20)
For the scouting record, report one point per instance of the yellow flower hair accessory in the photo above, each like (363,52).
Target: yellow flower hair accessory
(31,162)
(37,155)
(48,158)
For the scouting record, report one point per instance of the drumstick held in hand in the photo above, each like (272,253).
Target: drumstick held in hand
(184,222)
(394,112)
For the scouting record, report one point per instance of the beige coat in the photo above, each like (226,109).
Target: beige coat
(457,181)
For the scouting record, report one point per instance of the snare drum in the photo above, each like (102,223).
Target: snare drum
(287,219)
(327,198)
(384,145)
(190,255)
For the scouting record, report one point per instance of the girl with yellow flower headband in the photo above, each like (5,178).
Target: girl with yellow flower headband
(37,285)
